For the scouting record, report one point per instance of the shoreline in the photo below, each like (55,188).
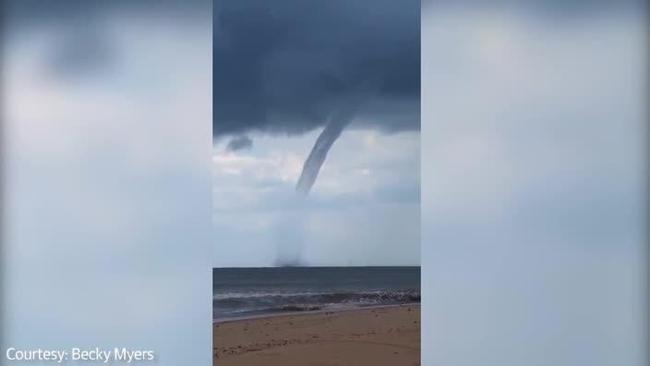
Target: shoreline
(380,335)
(308,312)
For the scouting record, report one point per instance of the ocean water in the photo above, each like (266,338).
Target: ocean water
(247,292)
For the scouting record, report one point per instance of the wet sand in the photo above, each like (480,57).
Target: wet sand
(371,336)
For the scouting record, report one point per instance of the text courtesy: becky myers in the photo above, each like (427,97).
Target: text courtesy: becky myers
(75,354)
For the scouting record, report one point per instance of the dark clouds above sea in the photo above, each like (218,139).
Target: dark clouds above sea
(283,67)
(82,33)
(59,13)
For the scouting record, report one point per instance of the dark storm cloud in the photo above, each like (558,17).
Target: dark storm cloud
(58,12)
(87,52)
(284,66)
(240,143)
(81,31)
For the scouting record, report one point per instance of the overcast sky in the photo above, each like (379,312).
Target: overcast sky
(533,173)
(106,176)
(533,187)
(281,70)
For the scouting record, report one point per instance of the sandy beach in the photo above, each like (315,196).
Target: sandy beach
(371,336)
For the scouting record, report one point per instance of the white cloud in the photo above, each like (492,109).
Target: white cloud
(368,176)
(106,181)
(532,188)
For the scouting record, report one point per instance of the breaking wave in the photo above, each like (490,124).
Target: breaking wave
(242,304)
